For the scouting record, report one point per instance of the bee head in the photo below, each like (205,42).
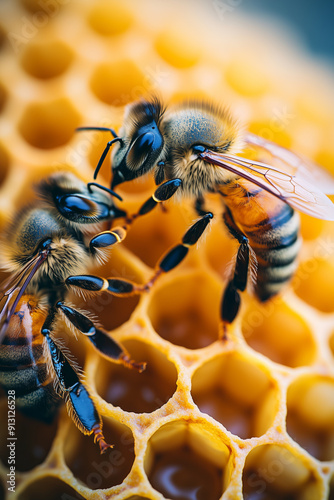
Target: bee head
(142,141)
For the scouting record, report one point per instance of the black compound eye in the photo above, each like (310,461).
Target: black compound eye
(75,207)
(140,149)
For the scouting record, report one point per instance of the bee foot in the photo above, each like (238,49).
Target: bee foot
(100,440)
(130,363)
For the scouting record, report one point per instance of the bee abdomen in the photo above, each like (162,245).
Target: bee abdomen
(24,369)
(276,246)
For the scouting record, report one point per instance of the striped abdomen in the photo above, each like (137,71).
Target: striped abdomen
(23,366)
(272,228)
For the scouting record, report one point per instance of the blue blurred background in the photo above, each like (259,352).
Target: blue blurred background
(312,20)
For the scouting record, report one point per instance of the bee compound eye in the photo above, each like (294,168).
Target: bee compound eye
(72,205)
(140,149)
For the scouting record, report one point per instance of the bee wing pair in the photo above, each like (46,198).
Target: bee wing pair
(13,289)
(299,183)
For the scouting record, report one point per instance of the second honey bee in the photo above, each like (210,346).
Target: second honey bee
(46,242)
(194,148)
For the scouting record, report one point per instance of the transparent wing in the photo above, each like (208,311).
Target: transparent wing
(12,290)
(296,191)
(294,164)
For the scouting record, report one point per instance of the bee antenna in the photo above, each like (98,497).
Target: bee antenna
(110,191)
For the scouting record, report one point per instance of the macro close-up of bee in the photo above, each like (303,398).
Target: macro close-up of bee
(45,243)
(166,250)
(193,148)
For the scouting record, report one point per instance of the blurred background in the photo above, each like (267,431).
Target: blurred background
(312,21)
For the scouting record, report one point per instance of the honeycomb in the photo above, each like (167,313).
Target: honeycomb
(251,418)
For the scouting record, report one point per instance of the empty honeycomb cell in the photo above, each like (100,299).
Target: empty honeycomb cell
(272,472)
(175,47)
(247,77)
(153,234)
(186,311)
(33,440)
(314,280)
(119,83)
(50,124)
(110,18)
(184,461)
(46,59)
(49,487)
(140,393)
(236,393)
(278,332)
(100,471)
(4,163)
(312,428)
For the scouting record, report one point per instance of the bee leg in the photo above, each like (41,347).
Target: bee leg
(79,403)
(102,342)
(231,298)
(162,193)
(126,288)
(117,234)
(106,239)
(199,206)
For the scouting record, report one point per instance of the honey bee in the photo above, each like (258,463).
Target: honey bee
(193,148)
(46,242)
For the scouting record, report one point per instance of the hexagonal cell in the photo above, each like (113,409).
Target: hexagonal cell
(50,124)
(175,47)
(310,415)
(46,59)
(186,311)
(48,487)
(247,77)
(314,280)
(100,471)
(118,83)
(185,461)
(138,392)
(278,332)
(110,18)
(33,443)
(237,393)
(152,235)
(273,472)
